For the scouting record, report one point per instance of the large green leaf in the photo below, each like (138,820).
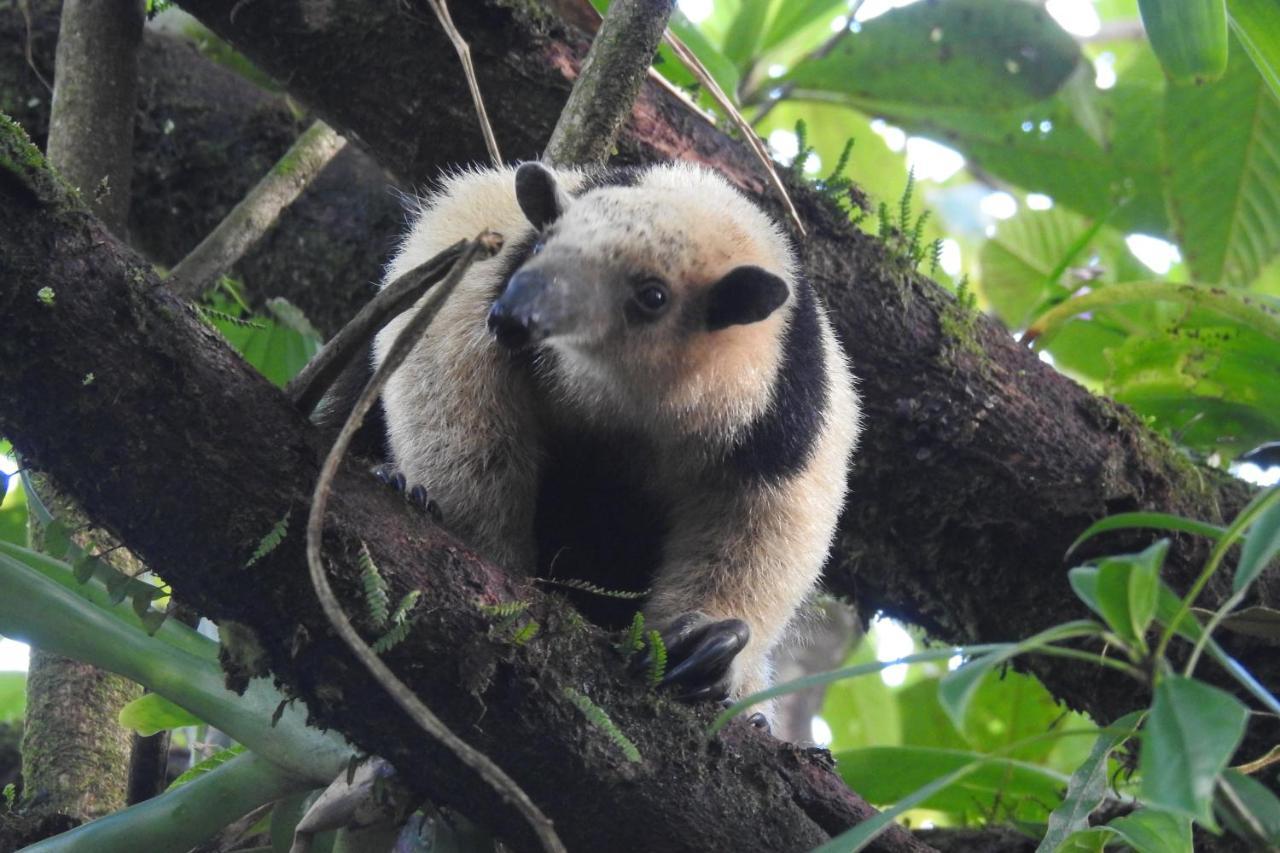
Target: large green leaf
(1189,36)
(151,713)
(795,17)
(742,42)
(979,54)
(1257,24)
(1088,785)
(1153,831)
(1191,733)
(862,711)
(1261,544)
(887,774)
(1249,809)
(1222,145)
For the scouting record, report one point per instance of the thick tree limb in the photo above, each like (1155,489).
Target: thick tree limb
(174,413)
(979,464)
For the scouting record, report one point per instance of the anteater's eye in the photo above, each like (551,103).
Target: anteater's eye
(652,296)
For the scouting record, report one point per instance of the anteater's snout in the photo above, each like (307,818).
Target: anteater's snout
(520,317)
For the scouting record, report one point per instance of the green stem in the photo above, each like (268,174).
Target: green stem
(81,623)
(1249,309)
(183,817)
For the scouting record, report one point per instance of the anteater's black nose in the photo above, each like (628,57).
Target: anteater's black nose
(515,317)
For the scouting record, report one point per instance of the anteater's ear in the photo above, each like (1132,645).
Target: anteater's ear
(539,195)
(745,295)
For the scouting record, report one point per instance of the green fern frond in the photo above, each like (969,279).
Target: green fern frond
(914,249)
(634,641)
(904,204)
(657,658)
(598,718)
(587,586)
(271,541)
(394,637)
(400,623)
(375,588)
(803,151)
(886,223)
(10,796)
(935,256)
(527,632)
(210,314)
(213,762)
(505,609)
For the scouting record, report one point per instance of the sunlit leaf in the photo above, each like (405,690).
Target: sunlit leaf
(1189,36)
(1256,24)
(984,54)
(1223,153)
(885,775)
(151,713)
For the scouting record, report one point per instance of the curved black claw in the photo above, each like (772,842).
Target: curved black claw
(700,653)
(416,494)
(760,721)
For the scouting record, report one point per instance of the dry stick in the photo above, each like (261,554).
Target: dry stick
(257,211)
(487,244)
(608,82)
(704,77)
(441,8)
(309,386)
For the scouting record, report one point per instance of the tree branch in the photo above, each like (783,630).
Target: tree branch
(257,212)
(608,82)
(979,464)
(175,413)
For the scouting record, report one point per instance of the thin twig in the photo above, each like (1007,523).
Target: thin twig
(486,245)
(704,77)
(257,211)
(24,6)
(441,8)
(608,82)
(309,386)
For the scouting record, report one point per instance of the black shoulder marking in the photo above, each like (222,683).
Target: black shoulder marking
(783,439)
(616,176)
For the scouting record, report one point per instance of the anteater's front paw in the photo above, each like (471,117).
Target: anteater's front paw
(700,654)
(416,494)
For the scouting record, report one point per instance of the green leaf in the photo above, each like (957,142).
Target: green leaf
(1249,809)
(1256,23)
(795,16)
(213,762)
(1153,831)
(742,44)
(979,54)
(1147,521)
(13,696)
(1084,841)
(1088,785)
(888,774)
(151,713)
(1189,36)
(1191,734)
(956,690)
(1262,542)
(1126,590)
(1222,147)
(864,833)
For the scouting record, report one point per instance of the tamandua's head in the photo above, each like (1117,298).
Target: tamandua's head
(674,284)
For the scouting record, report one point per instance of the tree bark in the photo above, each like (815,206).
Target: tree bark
(75,754)
(174,412)
(979,464)
(203,137)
